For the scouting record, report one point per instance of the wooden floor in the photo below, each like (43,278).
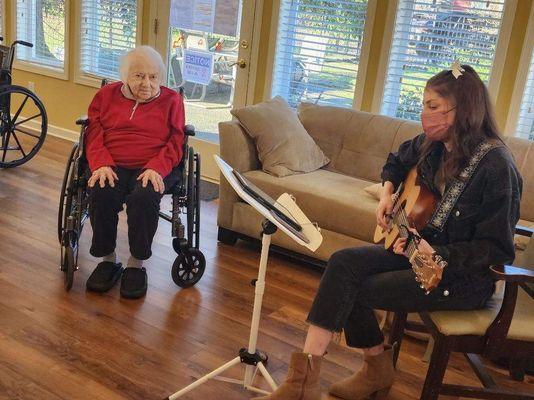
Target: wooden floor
(80,345)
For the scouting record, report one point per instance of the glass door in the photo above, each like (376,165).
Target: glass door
(209,47)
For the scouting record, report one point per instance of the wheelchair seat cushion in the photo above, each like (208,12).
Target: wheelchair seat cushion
(134,283)
(104,277)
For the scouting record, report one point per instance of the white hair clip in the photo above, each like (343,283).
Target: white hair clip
(456,69)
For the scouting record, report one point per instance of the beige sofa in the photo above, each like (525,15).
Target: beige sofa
(357,144)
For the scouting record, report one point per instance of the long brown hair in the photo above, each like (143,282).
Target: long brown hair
(474,122)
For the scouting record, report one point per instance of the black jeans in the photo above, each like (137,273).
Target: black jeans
(142,209)
(358,280)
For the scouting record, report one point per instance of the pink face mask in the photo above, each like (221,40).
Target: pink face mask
(435,124)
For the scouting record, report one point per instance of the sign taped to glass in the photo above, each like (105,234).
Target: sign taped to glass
(212,16)
(198,66)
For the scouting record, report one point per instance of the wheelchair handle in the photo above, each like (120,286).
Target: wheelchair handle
(1,38)
(189,130)
(82,121)
(22,42)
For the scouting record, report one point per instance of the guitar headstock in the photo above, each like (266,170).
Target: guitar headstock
(427,271)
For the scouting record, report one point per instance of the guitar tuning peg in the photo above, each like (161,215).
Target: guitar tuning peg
(421,286)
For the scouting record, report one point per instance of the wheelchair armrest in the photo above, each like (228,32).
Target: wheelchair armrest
(84,121)
(189,130)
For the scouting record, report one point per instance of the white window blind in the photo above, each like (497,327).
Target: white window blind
(525,124)
(428,36)
(41,22)
(108,30)
(318,50)
(2,17)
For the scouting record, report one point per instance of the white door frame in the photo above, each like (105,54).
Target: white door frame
(251,17)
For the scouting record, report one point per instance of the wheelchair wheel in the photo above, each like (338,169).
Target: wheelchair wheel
(188,268)
(69,265)
(72,215)
(23,125)
(65,201)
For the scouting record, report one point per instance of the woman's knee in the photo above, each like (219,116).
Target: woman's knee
(106,195)
(144,196)
(349,263)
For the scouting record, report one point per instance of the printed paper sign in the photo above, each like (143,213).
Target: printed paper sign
(197,15)
(198,66)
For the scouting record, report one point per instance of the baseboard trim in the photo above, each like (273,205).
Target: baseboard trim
(56,131)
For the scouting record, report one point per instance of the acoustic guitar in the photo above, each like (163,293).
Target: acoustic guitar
(413,206)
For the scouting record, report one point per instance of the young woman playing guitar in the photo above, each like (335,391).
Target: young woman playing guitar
(459,159)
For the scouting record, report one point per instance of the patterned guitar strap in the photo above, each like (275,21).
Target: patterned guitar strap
(455,190)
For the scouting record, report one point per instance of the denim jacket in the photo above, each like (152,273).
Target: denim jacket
(480,229)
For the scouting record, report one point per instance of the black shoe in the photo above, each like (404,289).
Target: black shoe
(104,277)
(134,283)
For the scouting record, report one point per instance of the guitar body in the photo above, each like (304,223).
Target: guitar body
(419,204)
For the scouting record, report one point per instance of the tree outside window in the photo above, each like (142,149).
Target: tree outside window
(42,22)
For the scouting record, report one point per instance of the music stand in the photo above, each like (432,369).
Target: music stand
(283,214)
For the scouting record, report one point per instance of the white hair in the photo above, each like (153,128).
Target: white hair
(145,52)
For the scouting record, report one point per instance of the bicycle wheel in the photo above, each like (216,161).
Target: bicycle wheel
(23,125)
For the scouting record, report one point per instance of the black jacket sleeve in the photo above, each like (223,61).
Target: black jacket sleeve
(400,163)
(493,239)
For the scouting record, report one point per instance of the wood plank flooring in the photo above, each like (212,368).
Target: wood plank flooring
(80,345)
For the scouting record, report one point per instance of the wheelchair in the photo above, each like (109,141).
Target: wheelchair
(23,120)
(190,263)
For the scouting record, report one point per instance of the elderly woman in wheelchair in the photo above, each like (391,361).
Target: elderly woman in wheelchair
(134,144)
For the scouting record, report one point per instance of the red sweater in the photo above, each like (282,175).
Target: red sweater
(149,136)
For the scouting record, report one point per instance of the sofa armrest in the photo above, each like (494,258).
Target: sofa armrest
(238,150)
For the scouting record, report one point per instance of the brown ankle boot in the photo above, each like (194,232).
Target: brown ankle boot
(302,382)
(374,380)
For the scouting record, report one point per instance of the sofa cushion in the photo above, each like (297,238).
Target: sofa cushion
(374,190)
(284,147)
(335,201)
(357,143)
(478,321)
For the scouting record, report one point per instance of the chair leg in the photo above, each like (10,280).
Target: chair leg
(436,368)
(517,369)
(396,333)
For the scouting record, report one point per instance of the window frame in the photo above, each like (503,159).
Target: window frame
(527,53)
(361,76)
(28,66)
(494,81)
(94,80)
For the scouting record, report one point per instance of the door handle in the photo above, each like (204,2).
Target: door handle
(240,63)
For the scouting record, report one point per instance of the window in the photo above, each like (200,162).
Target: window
(319,44)
(525,124)
(109,28)
(428,36)
(41,22)
(2,17)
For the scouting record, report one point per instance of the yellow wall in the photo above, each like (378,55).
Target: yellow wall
(511,63)
(66,100)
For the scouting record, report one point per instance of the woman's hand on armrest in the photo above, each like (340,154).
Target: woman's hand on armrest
(385,206)
(102,175)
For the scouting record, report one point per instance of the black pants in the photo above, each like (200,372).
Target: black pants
(142,208)
(358,280)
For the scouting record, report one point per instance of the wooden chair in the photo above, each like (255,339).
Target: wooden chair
(505,328)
